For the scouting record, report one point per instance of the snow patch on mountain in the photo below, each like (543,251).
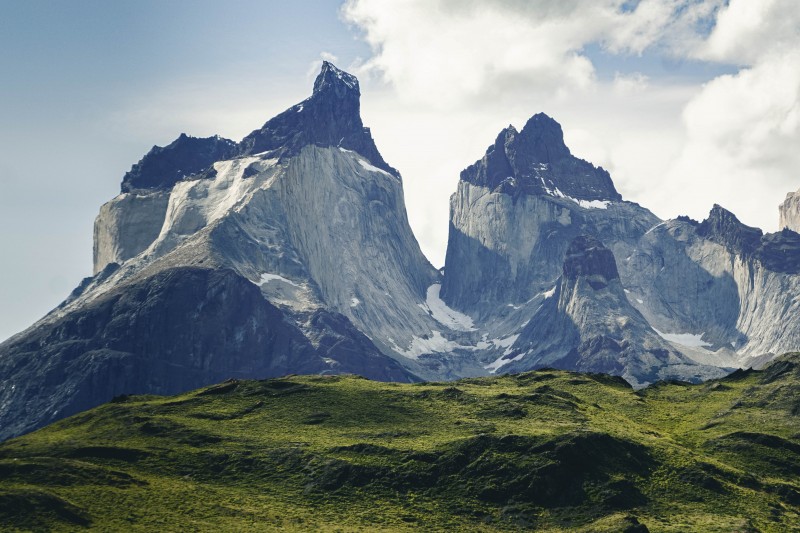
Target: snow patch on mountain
(444,314)
(372,168)
(266,278)
(434,343)
(685,339)
(194,204)
(502,361)
(591,204)
(364,164)
(586,204)
(548,294)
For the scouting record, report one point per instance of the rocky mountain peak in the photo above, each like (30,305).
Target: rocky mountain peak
(778,252)
(586,256)
(164,166)
(331,116)
(723,227)
(542,139)
(336,82)
(790,212)
(536,161)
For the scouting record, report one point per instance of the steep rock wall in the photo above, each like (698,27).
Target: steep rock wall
(128,225)
(790,212)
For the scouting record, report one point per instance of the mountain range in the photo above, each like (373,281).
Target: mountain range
(290,252)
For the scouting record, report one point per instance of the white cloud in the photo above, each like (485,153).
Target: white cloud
(630,83)
(743,130)
(451,52)
(746,31)
(446,53)
(327,56)
(461,70)
(742,139)
(674,25)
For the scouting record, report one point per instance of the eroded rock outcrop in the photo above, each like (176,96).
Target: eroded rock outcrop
(588,324)
(789,212)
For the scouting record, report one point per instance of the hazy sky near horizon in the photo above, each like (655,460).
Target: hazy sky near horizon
(686,102)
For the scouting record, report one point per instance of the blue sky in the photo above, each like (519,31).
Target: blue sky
(683,113)
(69,70)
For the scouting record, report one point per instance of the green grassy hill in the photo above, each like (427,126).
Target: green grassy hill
(546,450)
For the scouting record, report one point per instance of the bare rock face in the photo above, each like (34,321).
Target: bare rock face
(587,324)
(286,253)
(291,252)
(731,286)
(716,292)
(177,330)
(588,259)
(127,225)
(517,209)
(790,212)
(507,248)
(536,161)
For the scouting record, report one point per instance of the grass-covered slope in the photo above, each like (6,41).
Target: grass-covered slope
(549,450)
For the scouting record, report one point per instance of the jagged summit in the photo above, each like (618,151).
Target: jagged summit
(331,116)
(536,161)
(164,166)
(544,139)
(723,227)
(334,79)
(779,251)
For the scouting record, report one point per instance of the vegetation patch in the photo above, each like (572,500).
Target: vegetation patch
(547,450)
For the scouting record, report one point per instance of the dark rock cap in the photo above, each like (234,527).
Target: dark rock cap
(542,139)
(586,256)
(331,116)
(163,167)
(723,227)
(536,161)
(779,252)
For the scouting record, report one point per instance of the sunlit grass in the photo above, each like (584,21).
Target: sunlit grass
(550,450)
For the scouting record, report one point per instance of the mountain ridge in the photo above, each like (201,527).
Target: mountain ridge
(305,214)
(536,160)
(257,218)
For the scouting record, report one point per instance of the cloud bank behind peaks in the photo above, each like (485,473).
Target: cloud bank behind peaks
(740,129)
(743,130)
(448,52)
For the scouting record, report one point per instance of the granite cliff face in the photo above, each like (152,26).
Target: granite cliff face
(714,292)
(731,286)
(286,253)
(790,212)
(291,252)
(588,324)
(536,161)
(517,209)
